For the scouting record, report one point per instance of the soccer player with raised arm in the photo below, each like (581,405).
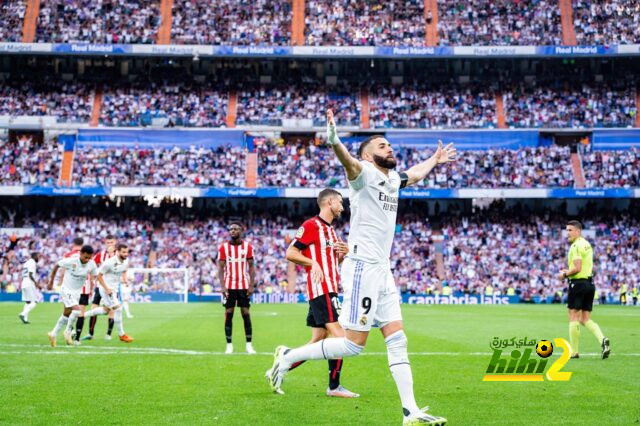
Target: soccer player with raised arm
(112,272)
(236,272)
(318,248)
(76,270)
(370,294)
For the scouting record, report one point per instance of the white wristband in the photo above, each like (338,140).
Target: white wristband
(332,135)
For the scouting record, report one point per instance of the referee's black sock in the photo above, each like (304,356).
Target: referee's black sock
(228,324)
(111,321)
(247,326)
(335,367)
(79,325)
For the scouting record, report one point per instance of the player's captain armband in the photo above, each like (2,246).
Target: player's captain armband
(404,178)
(300,232)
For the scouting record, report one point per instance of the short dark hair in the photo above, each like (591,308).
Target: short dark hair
(366,142)
(86,249)
(34,255)
(78,241)
(326,193)
(575,223)
(121,246)
(236,222)
(109,237)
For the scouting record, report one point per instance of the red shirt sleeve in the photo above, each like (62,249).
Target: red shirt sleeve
(307,234)
(221,255)
(249,251)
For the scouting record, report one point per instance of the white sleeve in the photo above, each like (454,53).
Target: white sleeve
(361,180)
(105,268)
(67,262)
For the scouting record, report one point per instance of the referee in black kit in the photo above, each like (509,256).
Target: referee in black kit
(581,290)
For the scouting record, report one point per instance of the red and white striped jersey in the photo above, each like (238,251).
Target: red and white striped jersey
(316,239)
(236,271)
(98,258)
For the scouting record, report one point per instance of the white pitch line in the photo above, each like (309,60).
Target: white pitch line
(114,350)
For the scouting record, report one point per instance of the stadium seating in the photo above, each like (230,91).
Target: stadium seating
(432,106)
(73,21)
(26,163)
(606,22)
(244,22)
(571,105)
(179,103)
(11,17)
(363,23)
(315,166)
(504,248)
(499,23)
(165,167)
(612,169)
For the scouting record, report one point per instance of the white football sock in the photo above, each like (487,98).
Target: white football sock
(31,306)
(72,320)
(62,321)
(126,308)
(95,312)
(332,348)
(117,319)
(400,369)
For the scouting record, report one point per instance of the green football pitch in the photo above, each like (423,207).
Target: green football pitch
(175,373)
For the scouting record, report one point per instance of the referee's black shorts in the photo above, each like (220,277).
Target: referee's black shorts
(581,292)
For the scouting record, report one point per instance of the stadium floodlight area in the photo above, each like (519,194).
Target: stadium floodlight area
(172,281)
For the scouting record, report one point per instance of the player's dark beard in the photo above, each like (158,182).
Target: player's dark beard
(385,162)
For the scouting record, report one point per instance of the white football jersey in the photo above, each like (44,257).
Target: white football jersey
(112,270)
(29,267)
(374,207)
(76,272)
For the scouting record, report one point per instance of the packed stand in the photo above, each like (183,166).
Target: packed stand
(432,107)
(309,100)
(499,23)
(499,249)
(606,22)
(303,165)
(176,104)
(513,252)
(612,169)
(565,105)
(106,21)
(176,166)
(66,101)
(365,23)
(26,162)
(12,16)
(231,22)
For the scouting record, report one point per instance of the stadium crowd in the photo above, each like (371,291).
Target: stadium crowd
(606,22)
(612,169)
(11,18)
(67,101)
(365,23)
(26,162)
(499,23)
(108,21)
(434,107)
(175,166)
(303,101)
(571,105)
(315,166)
(510,250)
(179,104)
(256,22)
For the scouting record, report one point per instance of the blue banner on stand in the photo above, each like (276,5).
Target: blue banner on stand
(591,193)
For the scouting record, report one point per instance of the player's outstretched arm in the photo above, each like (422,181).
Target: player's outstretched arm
(103,284)
(420,171)
(53,276)
(351,165)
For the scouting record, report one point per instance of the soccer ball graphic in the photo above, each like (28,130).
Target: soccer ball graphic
(544,348)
